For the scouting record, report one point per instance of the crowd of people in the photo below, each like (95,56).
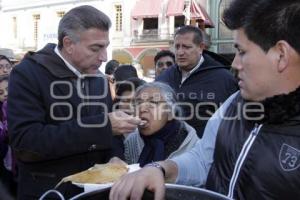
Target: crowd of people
(196,124)
(8,171)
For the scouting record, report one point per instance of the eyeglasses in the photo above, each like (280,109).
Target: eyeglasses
(161,64)
(149,103)
(5,67)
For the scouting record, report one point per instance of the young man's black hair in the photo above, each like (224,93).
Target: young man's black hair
(280,21)
(123,72)
(111,67)
(164,53)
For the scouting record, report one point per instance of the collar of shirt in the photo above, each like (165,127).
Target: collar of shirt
(71,67)
(188,74)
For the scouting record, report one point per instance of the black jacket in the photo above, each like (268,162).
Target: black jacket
(261,151)
(45,114)
(208,87)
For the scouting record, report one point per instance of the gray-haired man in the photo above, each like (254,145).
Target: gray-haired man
(60,119)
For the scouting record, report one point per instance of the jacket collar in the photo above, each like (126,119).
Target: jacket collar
(69,65)
(47,58)
(281,108)
(209,63)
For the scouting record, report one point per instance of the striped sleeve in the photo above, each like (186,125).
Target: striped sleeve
(193,166)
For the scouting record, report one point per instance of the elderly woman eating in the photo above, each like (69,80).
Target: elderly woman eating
(161,134)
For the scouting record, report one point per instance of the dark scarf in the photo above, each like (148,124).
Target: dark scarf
(278,109)
(282,107)
(154,149)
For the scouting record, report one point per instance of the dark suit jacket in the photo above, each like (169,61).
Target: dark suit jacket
(53,130)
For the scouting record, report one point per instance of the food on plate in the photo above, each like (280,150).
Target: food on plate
(98,174)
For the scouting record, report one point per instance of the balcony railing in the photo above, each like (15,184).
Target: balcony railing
(150,35)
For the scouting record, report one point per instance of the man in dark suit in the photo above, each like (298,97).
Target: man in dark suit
(59,109)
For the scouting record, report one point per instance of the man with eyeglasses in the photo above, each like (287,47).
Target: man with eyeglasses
(163,59)
(200,80)
(5,65)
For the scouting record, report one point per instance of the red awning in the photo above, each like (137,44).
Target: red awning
(198,12)
(146,9)
(175,7)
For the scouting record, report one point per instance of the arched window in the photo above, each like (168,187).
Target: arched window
(122,56)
